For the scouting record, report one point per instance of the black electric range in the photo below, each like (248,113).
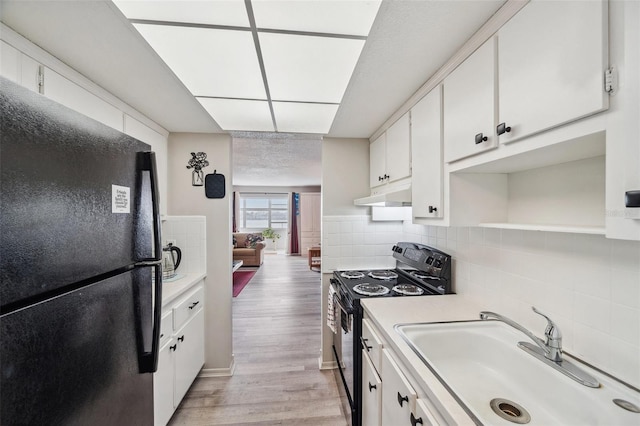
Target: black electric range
(421,271)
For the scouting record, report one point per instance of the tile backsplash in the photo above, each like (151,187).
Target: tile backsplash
(189,234)
(588,284)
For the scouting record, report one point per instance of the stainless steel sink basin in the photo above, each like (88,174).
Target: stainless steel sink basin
(497,383)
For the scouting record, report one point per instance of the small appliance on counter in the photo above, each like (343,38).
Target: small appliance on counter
(421,271)
(171,257)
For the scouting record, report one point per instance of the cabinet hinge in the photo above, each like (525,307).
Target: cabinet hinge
(41,79)
(610,81)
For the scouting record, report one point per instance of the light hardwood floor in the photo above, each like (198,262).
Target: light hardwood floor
(276,344)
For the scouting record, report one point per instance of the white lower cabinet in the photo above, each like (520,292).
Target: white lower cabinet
(371,393)
(189,354)
(423,415)
(181,353)
(398,396)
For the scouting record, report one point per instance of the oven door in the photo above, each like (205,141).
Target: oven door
(343,353)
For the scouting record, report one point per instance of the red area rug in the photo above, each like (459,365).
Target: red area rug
(240,280)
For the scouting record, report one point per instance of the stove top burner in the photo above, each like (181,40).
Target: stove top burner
(352,275)
(419,274)
(383,275)
(408,289)
(367,289)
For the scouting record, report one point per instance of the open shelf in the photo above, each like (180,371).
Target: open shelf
(594,230)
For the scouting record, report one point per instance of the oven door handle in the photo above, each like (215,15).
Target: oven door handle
(336,298)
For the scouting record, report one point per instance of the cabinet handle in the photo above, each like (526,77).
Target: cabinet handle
(173,347)
(386,176)
(364,343)
(193,305)
(380,178)
(372,387)
(502,128)
(181,338)
(401,399)
(481,138)
(432,209)
(415,421)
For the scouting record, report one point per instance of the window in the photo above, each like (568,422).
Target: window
(261,211)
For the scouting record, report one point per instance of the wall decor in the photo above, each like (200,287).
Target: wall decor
(214,186)
(197,162)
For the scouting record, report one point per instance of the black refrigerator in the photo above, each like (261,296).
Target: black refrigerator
(80,274)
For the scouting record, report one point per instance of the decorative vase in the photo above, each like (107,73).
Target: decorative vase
(197,178)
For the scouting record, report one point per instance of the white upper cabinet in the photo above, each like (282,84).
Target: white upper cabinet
(390,154)
(552,57)
(426,148)
(71,95)
(399,149)
(469,105)
(377,161)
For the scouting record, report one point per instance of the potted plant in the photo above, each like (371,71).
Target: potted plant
(272,235)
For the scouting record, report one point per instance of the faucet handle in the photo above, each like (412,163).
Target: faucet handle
(552,332)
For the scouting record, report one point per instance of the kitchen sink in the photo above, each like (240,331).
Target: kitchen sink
(497,383)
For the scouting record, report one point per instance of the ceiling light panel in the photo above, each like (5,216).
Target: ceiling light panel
(308,68)
(353,17)
(297,117)
(239,114)
(227,12)
(210,62)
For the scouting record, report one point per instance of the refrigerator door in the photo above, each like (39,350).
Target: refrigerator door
(74,359)
(74,199)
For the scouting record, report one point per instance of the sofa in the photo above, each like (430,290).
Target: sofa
(252,252)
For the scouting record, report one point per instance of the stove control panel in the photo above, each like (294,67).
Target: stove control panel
(428,259)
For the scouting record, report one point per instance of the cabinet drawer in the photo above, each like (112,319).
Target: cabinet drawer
(187,307)
(166,326)
(372,343)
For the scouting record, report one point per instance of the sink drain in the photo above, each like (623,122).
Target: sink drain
(510,411)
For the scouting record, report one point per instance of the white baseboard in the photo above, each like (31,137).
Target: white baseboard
(327,365)
(219,372)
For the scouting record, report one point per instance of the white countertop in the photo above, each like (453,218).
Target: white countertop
(386,312)
(173,289)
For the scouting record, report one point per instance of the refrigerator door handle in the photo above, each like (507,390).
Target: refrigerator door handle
(149,360)
(147,162)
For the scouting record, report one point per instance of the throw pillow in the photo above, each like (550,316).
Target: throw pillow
(252,240)
(235,242)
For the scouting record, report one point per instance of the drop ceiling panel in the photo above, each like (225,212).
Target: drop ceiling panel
(239,114)
(308,68)
(232,13)
(296,117)
(353,17)
(210,62)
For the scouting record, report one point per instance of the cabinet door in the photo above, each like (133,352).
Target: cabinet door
(377,161)
(371,393)
(71,95)
(469,105)
(189,357)
(399,149)
(398,397)
(423,415)
(426,149)
(163,384)
(552,58)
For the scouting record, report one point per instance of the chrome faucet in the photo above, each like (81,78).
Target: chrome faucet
(552,346)
(549,350)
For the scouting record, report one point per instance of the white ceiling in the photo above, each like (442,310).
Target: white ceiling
(409,41)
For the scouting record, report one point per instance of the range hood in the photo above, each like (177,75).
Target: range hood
(399,197)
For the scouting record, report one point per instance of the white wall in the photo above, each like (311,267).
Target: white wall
(345,177)
(185,199)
